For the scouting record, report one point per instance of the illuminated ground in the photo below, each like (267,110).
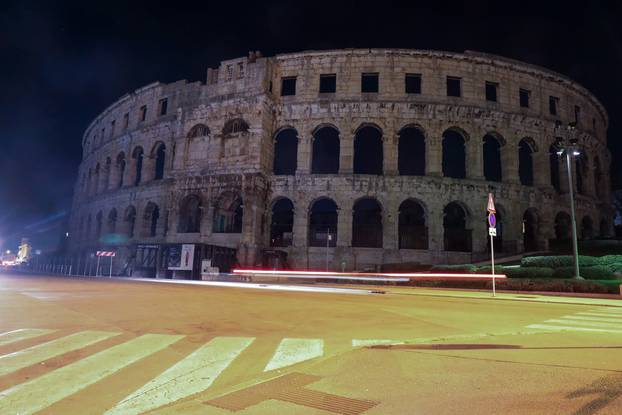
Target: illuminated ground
(118,347)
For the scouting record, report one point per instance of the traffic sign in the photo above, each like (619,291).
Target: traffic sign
(491,204)
(492,220)
(492,231)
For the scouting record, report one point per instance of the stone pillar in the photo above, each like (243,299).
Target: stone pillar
(346,153)
(173,220)
(129,176)
(512,230)
(300,228)
(389,228)
(148,171)
(434,154)
(541,169)
(305,148)
(103,176)
(344,227)
(474,153)
(434,223)
(509,163)
(389,148)
(563,176)
(479,232)
(207,219)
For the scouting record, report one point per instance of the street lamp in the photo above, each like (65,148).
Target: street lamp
(568,150)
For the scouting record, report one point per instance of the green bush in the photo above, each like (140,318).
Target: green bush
(597,272)
(615,267)
(459,269)
(529,272)
(559,261)
(610,259)
(487,269)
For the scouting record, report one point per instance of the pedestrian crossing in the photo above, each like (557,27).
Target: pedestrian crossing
(189,375)
(597,320)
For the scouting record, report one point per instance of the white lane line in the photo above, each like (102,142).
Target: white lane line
(607,315)
(193,374)
(617,311)
(585,323)
(570,328)
(374,342)
(292,351)
(41,392)
(21,334)
(603,319)
(24,358)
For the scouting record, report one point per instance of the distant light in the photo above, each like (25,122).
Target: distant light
(38,252)
(67,234)
(560,152)
(8,251)
(576,153)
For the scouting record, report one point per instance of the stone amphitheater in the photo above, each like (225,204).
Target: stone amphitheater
(348,159)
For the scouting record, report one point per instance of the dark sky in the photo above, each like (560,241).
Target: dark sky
(64,62)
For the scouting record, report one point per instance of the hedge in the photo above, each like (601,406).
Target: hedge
(597,272)
(610,259)
(529,272)
(460,268)
(559,261)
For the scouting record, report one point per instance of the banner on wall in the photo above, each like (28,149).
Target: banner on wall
(181,259)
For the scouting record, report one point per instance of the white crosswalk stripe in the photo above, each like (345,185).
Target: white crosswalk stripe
(374,342)
(193,374)
(292,351)
(21,334)
(603,319)
(41,392)
(35,354)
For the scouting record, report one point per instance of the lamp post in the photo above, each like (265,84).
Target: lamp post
(568,150)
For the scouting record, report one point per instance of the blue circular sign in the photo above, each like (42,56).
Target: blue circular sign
(492,220)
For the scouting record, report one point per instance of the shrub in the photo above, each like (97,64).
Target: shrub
(615,267)
(559,261)
(459,269)
(529,272)
(610,259)
(487,269)
(597,272)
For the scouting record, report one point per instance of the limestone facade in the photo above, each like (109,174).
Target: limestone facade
(209,148)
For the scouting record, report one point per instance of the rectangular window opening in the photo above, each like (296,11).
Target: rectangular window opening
(523,97)
(577,114)
(412,83)
(240,70)
(229,73)
(112,125)
(163,105)
(454,87)
(369,82)
(491,91)
(553,101)
(328,83)
(288,86)
(143,113)
(126,120)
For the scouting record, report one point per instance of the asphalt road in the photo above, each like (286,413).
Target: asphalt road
(78,346)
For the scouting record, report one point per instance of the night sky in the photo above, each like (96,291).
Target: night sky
(64,62)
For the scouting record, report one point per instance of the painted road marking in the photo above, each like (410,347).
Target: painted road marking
(606,315)
(585,323)
(193,374)
(610,310)
(605,319)
(373,342)
(21,334)
(570,328)
(292,351)
(24,358)
(39,393)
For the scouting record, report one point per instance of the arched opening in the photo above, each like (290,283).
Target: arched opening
(190,212)
(456,235)
(96,180)
(234,126)
(368,151)
(498,242)
(285,152)
(137,155)
(530,230)
(454,155)
(554,167)
(282,224)
(107,173)
(367,224)
(587,228)
(581,163)
(563,230)
(228,214)
(199,130)
(160,158)
(98,225)
(112,221)
(525,163)
(598,177)
(130,220)
(411,152)
(492,158)
(604,228)
(120,169)
(412,229)
(323,223)
(151,217)
(325,157)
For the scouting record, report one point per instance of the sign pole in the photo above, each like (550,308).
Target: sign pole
(97,269)
(492,261)
(111,266)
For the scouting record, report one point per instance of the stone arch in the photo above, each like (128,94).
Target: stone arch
(190,213)
(235,126)
(492,143)
(367,223)
(454,153)
(412,225)
(137,156)
(531,224)
(554,168)
(130,220)
(112,221)
(368,152)
(325,151)
(587,227)
(598,177)
(282,222)
(285,151)
(411,151)
(604,228)
(457,235)
(120,166)
(158,154)
(581,171)
(228,213)
(96,179)
(107,173)
(563,226)
(323,222)
(151,216)
(198,130)
(526,148)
